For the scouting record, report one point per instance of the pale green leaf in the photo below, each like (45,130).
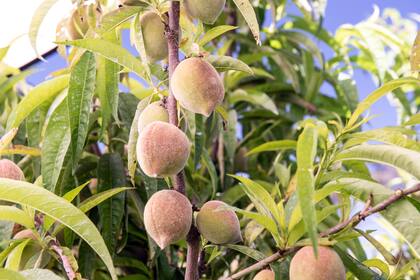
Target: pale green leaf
(38,274)
(279,145)
(399,157)
(377,94)
(115,18)
(6,274)
(37,19)
(113,52)
(55,145)
(15,256)
(37,96)
(59,209)
(402,215)
(252,253)
(214,33)
(415,54)
(79,100)
(13,214)
(253,97)
(225,63)
(306,152)
(248,13)
(414,119)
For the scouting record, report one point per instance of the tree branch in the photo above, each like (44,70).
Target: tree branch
(353,221)
(172,35)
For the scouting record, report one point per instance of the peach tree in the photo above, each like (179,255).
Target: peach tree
(220,143)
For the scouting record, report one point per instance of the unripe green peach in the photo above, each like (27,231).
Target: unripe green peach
(162,149)
(197,86)
(9,170)
(167,217)
(265,274)
(153,112)
(154,38)
(218,224)
(205,10)
(328,265)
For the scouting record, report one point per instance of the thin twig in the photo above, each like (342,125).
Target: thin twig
(353,221)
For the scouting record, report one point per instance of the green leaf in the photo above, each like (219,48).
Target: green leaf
(136,37)
(13,214)
(111,175)
(107,79)
(414,120)
(6,274)
(115,18)
(381,249)
(37,19)
(253,97)
(59,209)
(263,202)
(399,157)
(357,268)
(214,33)
(79,101)
(248,13)
(225,63)
(132,139)
(402,215)
(38,274)
(389,135)
(279,145)
(306,152)
(252,253)
(15,256)
(37,96)
(55,145)
(113,52)
(300,38)
(415,54)
(199,138)
(377,94)
(212,171)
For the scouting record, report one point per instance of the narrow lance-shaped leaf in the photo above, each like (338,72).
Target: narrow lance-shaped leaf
(60,209)
(112,51)
(107,87)
(37,96)
(248,13)
(225,63)
(111,174)
(377,94)
(37,19)
(79,101)
(117,17)
(415,54)
(132,139)
(306,152)
(55,146)
(14,214)
(402,215)
(399,157)
(214,33)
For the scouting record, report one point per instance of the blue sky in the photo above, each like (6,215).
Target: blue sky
(338,12)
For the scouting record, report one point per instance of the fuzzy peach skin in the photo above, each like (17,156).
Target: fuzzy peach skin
(153,112)
(328,266)
(205,10)
(167,217)
(197,86)
(162,149)
(265,274)
(9,170)
(154,38)
(218,225)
